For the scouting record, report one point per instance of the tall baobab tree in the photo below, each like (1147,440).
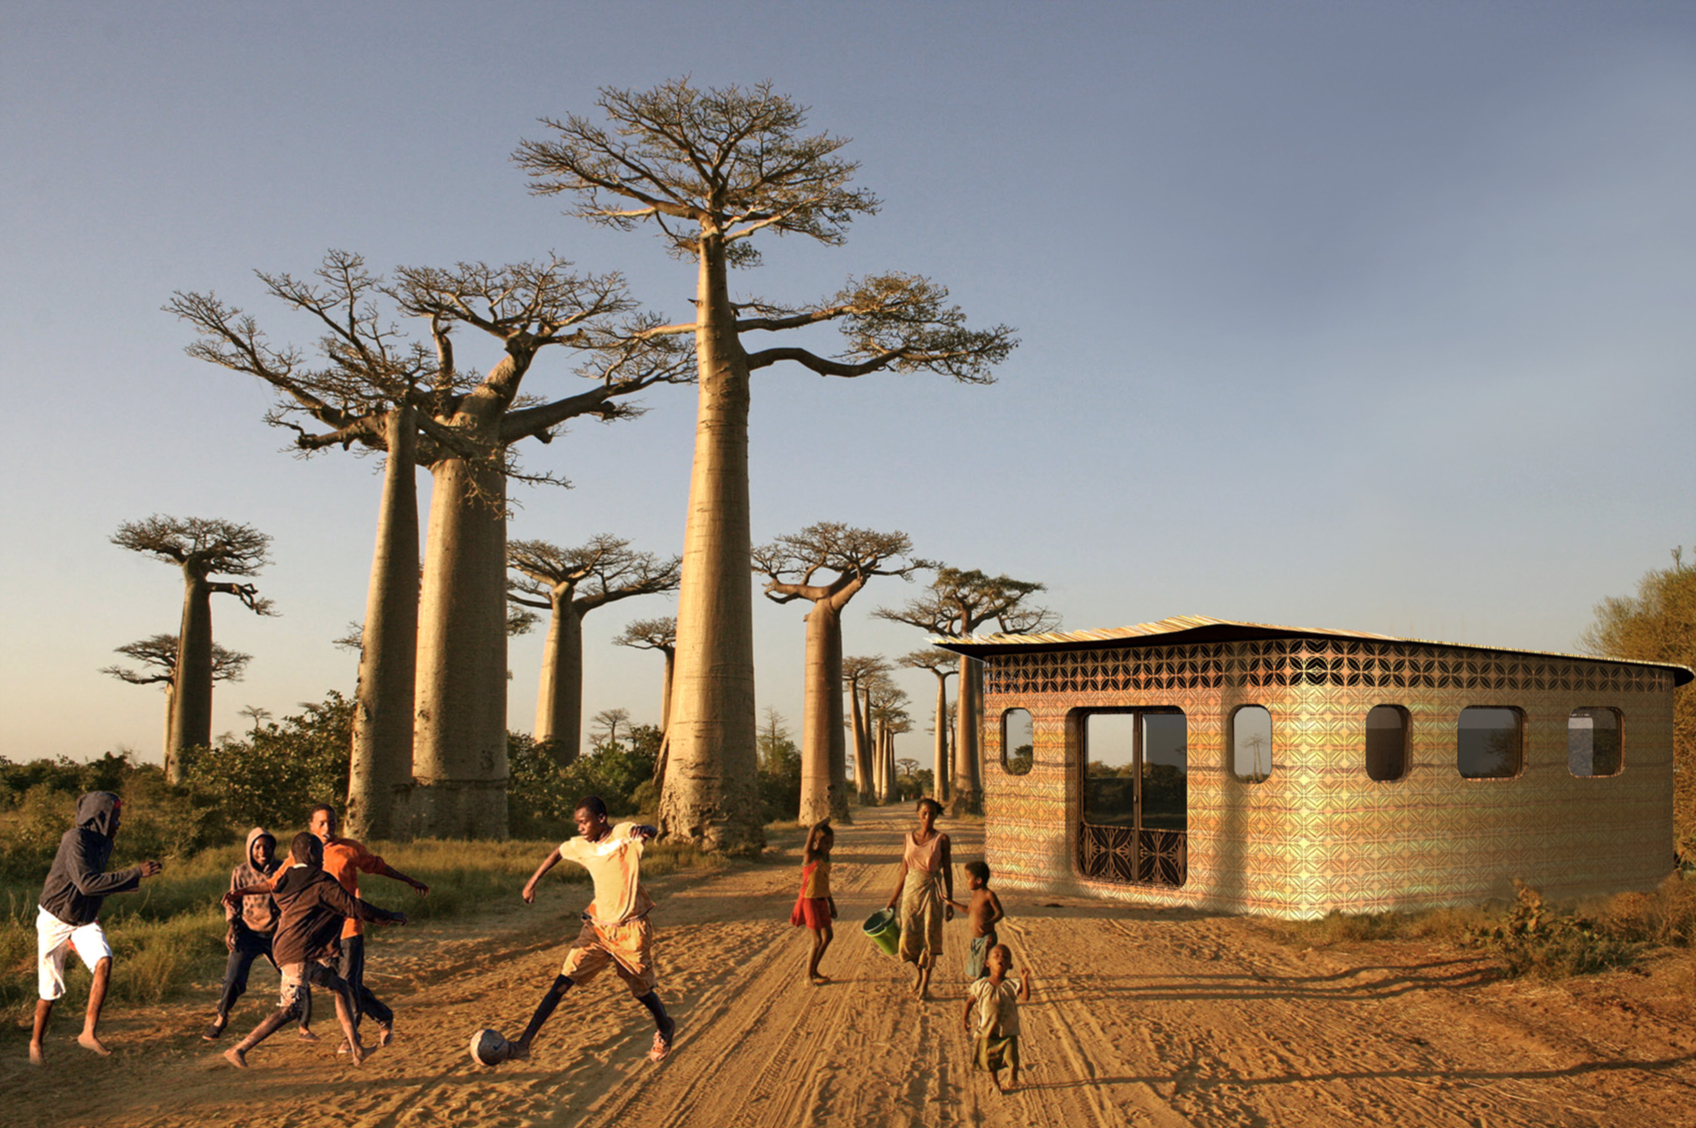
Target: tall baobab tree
(660,635)
(827,564)
(459,739)
(202,548)
(857,671)
(887,713)
(569,583)
(711,170)
(363,392)
(958,603)
(941,664)
(158,658)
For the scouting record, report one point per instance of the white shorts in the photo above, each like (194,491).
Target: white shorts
(54,941)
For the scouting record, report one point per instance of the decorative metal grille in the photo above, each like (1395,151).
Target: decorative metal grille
(1132,857)
(1299,661)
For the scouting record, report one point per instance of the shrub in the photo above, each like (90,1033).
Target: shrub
(541,794)
(1549,943)
(272,778)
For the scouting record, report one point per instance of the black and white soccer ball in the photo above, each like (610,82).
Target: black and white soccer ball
(489,1047)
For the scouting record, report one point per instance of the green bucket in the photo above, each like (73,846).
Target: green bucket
(882,929)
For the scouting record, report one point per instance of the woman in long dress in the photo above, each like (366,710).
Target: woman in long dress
(925,886)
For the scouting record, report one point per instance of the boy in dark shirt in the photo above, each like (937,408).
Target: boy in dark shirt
(313,906)
(69,915)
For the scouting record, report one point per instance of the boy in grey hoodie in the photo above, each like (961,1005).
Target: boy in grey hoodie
(69,916)
(252,924)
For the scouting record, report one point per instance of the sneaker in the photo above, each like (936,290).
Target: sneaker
(214,1031)
(661,1048)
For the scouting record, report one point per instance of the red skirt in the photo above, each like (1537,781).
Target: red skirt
(811,912)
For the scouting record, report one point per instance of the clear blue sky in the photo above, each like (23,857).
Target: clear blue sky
(1375,317)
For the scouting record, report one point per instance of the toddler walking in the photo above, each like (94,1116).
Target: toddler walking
(996,1032)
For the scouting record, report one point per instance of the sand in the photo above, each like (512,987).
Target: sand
(1140,1017)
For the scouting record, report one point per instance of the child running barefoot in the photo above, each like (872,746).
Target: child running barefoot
(815,908)
(996,1035)
(985,913)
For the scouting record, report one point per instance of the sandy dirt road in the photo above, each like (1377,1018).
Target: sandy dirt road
(1139,1018)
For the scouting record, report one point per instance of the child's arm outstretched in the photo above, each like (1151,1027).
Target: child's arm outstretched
(1025,985)
(553,859)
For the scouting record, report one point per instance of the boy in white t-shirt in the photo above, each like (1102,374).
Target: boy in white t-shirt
(615,925)
(995,1040)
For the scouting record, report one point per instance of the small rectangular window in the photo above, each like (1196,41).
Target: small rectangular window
(1386,743)
(1489,742)
(1251,743)
(1593,746)
(1017,741)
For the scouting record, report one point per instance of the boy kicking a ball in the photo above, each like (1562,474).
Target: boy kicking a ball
(615,925)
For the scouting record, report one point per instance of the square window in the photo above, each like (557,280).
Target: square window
(1489,742)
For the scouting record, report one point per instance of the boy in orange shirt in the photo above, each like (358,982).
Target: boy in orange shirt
(615,925)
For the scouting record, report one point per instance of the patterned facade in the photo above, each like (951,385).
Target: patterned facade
(1319,835)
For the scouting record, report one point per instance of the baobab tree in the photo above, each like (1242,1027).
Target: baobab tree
(459,740)
(857,671)
(158,658)
(609,720)
(711,170)
(958,603)
(201,548)
(660,635)
(941,664)
(827,564)
(569,583)
(364,392)
(886,711)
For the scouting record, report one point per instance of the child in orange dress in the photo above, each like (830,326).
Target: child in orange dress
(815,908)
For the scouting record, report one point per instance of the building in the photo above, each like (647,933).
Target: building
(1293,772)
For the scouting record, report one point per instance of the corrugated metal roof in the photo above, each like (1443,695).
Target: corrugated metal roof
(1200,628)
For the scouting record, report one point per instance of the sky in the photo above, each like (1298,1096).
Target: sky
(1369,317)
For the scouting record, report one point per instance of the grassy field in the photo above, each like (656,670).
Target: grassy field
(170,933)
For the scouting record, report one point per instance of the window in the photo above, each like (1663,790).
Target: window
(1017,741)
(1251,743)
(1593,745)
(1386,743)
(1137,770)
(1489,743)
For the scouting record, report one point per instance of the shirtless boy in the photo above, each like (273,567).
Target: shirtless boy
(615,925)
(984,911)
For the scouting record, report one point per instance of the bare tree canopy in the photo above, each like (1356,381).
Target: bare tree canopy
(827,564)
(958,603)
(710,169)
(650,634)
(158,657)
(943,665)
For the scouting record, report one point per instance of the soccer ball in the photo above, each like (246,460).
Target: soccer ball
(489,1047)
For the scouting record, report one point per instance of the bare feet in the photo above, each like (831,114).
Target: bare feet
(235,1057)
(356,1053)
(307,1035)
(385,1034)
(35,1057)
(819,979)
(89,1042)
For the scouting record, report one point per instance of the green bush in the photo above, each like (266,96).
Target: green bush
(276,775)
(541,794)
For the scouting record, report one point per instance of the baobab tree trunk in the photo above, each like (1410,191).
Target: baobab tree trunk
(939,774)
(380,773)
(968,776)
(191,705)
(822,791)
(559,697)
(710,793)
(459,738)
(170,720)
(862,760)
(665,692)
